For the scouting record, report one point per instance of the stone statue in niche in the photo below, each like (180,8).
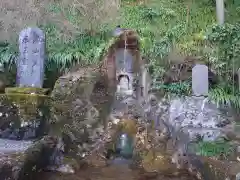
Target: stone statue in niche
(124,69)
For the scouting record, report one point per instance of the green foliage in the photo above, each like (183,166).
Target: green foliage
(225,95)
(84,49)
(212,149)
(224,58)
(224,42)
(7,54)
(160,24)
(180,88)
(221,94)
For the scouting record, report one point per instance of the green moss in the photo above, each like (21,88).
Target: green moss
(26,90)
(72,162)
(26,99)
(179,88)
(26,96)
(28,104)
(212,148)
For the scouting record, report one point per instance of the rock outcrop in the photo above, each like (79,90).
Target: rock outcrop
(197,117)
(80,105)
(190,120)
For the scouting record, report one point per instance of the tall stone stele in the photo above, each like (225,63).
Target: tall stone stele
(30,65)
(200,80)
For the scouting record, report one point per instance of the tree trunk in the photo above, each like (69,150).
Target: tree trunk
(220,11)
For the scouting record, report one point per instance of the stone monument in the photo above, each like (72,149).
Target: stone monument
(200,80)
(31,61)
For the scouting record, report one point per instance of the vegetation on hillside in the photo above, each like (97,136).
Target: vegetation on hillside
(219,149)
(78,31)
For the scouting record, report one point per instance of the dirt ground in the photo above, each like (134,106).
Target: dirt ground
(111,173)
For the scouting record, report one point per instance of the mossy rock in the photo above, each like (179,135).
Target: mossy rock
(19,108)
(27,101)
(27,98)
(219,170)
(157,162)
(37,157)
(128,126)
(26,90)
(72,162)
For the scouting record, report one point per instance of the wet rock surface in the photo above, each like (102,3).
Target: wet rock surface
(213,169)
(20,164)
(150,141)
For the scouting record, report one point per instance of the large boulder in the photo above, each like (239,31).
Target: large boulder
(79,109)
(190,120)
(197,117)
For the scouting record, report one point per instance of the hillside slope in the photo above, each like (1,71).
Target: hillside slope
(78,31)
(64,21)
